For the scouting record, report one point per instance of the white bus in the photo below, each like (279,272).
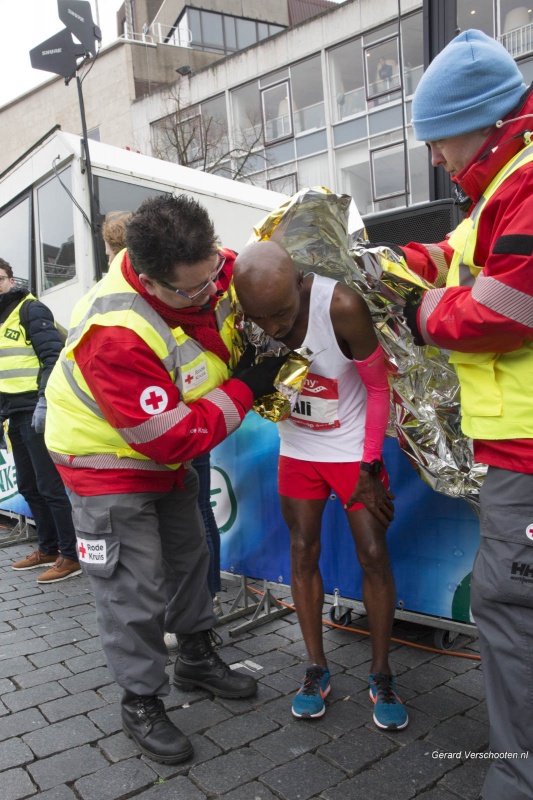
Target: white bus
(45,230)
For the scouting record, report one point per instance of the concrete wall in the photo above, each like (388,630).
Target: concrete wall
(108,94)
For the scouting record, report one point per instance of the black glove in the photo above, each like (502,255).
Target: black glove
(394,247)
(410,313)
(260,377)
(245,361)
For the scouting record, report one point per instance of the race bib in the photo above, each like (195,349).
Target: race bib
(318,404)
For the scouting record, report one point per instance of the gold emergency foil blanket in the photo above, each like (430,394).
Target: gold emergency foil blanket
(324,233)
(278,406)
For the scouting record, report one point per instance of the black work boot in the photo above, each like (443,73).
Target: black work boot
(144,720)
(197,665)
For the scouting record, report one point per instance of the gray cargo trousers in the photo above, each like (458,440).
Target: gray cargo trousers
(502,605)
(147,560)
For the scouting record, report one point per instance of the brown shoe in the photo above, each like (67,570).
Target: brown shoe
(63,568)
(36,559)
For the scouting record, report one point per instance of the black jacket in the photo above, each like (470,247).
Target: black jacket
(46,342)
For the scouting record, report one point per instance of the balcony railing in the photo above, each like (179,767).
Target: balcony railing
(518,42)
(161,34)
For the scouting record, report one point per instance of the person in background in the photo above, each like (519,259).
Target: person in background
(332,441)
(28,354)
(114,232)
(143,388)
(475,114)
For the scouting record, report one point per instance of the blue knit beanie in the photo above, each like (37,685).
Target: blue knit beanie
(469,85)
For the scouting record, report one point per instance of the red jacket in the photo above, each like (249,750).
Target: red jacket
(118,366)
(465,321)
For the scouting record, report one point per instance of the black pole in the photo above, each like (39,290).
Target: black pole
(92,204)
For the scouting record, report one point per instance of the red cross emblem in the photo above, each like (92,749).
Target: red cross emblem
(82,551)
(154,400)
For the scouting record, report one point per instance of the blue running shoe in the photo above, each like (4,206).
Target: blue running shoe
(389,712)
(309,700)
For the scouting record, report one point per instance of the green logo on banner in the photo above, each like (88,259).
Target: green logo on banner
(223,500)
(8,479)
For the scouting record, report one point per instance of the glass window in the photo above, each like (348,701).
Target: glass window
(347,80)
(413,52)
(353,175)
(418,170)
(286,184)
(229,30)
(212,29)
(262,30)
(314,172)
(215,128)
(476,14)
(312,143)
(273,77)
(350,131)
(56,231)
(280,153)
(277,121)
(113,195)
(526,68)
(246,33)
(193,22)
(381,33)
(272,29)
(387,120)
(307,95)
(246,111)
(388,171)
(15,236)
(382,75)
(515,26)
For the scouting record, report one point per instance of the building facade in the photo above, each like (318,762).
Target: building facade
(284,94)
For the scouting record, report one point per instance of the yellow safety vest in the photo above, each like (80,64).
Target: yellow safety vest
(495,387)
(19,365)
(75,426)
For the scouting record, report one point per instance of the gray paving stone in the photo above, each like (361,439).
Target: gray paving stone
(54,626)
(342,717)
(22,648)
(443,702)
(251,791)
(437,794)
(61,736)
(90,645)
(54,655)
(479,712)
(198,716)
(73,611)
(29,622)
(263,644)
(26,698)
(303,778)
(118,747)
(117,780)
(290,742)
(456,664)
(6,686)
(356,750)
(82,663)
(20,723)
(14,752)
(226,772)
(71,705)
(107,718)
(204,750)
(282,683)
(70,765)
(58,793)
(9,615)
(241,705)
(36,677)
(38,608)
(72,636)
(241,730)
(91,679)
(467,780)
(470,683)
(16,784)
(424,678)
(460,734)
(419,725)
(350,655)
(179,788)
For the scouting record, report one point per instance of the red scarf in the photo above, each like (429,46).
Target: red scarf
(198,322)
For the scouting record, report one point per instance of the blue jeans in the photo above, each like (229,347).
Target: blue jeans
(41,486)
(202,466)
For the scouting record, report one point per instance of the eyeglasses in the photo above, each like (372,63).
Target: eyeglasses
(4,278)
(212,279)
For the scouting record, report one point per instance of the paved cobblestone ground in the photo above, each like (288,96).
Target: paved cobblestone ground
(61,737)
